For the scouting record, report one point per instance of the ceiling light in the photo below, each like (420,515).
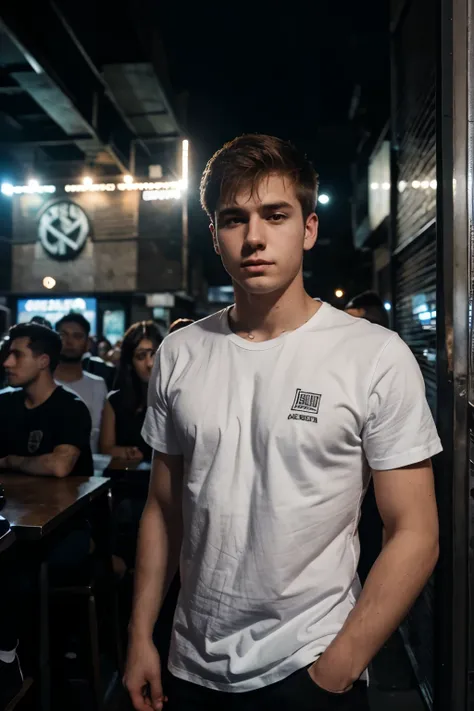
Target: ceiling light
(49,282)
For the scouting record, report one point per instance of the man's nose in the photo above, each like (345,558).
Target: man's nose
(8,362)
(255,234)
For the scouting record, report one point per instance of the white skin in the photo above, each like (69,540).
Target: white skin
(268,300)
(143,359)
(75,344)
(266,225)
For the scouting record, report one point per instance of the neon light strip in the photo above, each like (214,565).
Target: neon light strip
(10,190)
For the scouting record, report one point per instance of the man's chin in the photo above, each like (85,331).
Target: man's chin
(260,285)
(64,358)
(14,382)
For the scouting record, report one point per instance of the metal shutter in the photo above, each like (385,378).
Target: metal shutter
(415,288)
(414,245)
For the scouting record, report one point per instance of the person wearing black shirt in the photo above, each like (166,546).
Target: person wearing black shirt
(125,408)
(122,421)
(44,429)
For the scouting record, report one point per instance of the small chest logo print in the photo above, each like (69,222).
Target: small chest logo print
(305,406)
(34,441)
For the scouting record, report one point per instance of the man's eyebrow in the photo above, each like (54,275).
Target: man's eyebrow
(276,206)
(265,207)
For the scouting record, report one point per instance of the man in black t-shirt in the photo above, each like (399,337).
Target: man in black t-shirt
(44,429)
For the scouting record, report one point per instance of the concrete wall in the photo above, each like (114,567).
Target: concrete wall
(134,245)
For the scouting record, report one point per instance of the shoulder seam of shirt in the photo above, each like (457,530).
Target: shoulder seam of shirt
(382,351)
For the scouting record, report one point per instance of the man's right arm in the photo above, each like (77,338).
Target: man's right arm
(159,542)
(159,546)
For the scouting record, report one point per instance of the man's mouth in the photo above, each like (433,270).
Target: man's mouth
(256,263)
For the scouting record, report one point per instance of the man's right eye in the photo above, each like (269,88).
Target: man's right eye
(230,221)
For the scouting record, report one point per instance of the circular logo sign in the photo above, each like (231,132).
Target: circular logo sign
(63,229)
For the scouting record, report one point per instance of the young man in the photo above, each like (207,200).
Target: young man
(44,430)
(266,419)
(74,331)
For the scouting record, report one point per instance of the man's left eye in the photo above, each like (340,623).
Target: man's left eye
(277,217)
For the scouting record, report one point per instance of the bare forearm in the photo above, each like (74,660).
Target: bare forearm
(159,545)
(44,465)
(115,451)
(397,578)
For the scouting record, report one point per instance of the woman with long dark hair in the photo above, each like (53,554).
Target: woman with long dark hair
(125,408)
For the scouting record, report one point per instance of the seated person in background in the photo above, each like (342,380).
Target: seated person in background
(74,332)
(125,408)
(179,323)
(44,429)
(370,306)
(42,321)
(103,347)
(97,365)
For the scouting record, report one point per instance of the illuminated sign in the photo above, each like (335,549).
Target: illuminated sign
(33,188)
(54,309)
(63,229)
(90,188)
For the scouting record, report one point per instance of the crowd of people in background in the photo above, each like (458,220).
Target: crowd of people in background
(65,397)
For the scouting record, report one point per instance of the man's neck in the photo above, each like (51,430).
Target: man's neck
(69,372)
(40,390)
(266,316)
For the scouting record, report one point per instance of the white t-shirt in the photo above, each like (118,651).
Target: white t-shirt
(93,391)
(277,439)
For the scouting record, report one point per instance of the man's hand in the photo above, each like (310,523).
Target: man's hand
(133,453)
(142,677)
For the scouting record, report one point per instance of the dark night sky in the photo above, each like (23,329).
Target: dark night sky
(290,72)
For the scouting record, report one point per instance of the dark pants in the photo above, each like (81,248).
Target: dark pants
(297,692)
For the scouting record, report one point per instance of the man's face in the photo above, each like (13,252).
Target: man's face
(75,342)
(22,366)
(261,237)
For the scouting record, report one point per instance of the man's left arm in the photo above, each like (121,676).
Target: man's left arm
(59,463)
(407,505)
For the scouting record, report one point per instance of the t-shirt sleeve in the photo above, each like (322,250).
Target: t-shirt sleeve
(399,428)
(74,425)
(113,398)
(158,429)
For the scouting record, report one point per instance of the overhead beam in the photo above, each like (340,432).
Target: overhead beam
(66,67)
(49,139)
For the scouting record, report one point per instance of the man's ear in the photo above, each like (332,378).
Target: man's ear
(214,238)
(43,361)
(311,231)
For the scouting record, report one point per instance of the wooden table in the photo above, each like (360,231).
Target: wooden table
(35,506)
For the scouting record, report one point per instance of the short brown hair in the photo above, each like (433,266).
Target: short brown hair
(244,161)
